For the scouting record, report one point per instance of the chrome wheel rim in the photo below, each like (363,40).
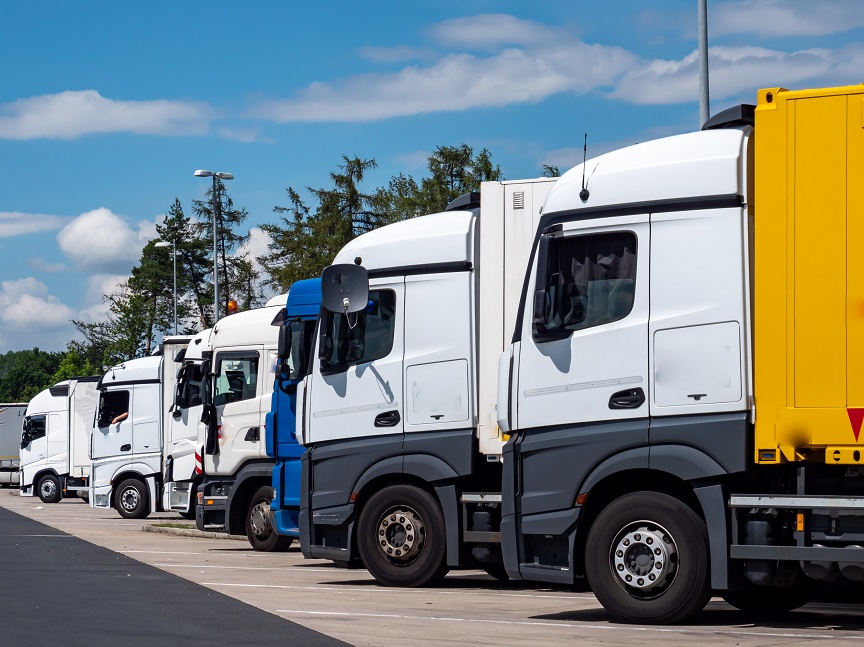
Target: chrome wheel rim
(644,559)
(400,535)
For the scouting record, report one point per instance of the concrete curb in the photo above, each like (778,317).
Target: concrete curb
(190,532)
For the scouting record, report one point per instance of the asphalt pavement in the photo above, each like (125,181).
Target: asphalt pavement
(60,590)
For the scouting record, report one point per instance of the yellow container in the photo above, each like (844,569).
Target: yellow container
(808,263)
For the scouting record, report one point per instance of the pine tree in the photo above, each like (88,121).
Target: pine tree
(238,278)
(194,295)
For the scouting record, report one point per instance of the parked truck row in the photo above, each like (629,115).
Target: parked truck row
(639,378)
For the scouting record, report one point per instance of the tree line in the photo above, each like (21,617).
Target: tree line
(305,237)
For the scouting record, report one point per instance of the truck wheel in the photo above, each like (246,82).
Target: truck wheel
(132,500)
(49,489)
(769,599)
(402,537)
(647,559)
(259,530)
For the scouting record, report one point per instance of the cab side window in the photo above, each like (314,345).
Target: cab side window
(111,405)
(191,390)
(361,337)
(34,428)
(590,281)
(236,378)
(302,338)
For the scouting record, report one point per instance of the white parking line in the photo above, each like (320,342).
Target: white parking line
(256,568)
(572,625)
(428,592)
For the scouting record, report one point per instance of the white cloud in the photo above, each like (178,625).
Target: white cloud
(25,305)
(102,239)
(490,31)
(525,61)
(413,160)
(15,223)
(97,286)
(456,82)
(42,265)
(72,114)
(256,247)
(779,18)
(737,69)
(244,135)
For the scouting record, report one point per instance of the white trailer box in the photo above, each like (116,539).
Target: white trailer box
(11,422)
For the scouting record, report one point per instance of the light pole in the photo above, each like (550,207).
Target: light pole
(702,18)
(221,176)
(165,243)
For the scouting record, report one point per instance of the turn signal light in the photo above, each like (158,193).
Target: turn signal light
(582,498)
(200,498)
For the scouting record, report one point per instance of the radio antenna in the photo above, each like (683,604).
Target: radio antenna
(583,194)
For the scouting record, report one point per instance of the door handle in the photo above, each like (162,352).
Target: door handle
(387,419)
(125,448)
(628,399)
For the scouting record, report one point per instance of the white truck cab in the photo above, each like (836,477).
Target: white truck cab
(128,438)
(55,440)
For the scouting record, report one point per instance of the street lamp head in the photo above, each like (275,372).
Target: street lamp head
(162,243)
(202,173)
(224,176)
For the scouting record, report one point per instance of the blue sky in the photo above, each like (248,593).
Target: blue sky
(107,108)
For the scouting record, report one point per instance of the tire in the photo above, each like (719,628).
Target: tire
(132,500)
(649,535)
(260,532)
(770,599)
(387,522)
(49,489)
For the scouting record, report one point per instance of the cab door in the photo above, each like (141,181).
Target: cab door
(112,438)
(356,384)
(34,442)
(237,399)
(581,387)
(183,422)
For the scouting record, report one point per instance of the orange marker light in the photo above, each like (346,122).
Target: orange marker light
(799,524)
(231,307)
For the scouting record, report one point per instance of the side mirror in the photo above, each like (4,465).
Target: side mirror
(285,339)
(344,288)
(206,367)
(25,439)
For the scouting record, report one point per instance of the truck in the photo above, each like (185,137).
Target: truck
(238,363)
(296,335)
(135,423)
(678,407)
(11,422)
(55,440)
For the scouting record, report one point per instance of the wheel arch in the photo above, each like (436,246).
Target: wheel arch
(248,480)
(683,472)
(134,472)
(423,471)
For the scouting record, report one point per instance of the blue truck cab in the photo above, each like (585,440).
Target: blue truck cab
(296,337)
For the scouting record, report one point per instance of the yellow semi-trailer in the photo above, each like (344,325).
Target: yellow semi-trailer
(679,409)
